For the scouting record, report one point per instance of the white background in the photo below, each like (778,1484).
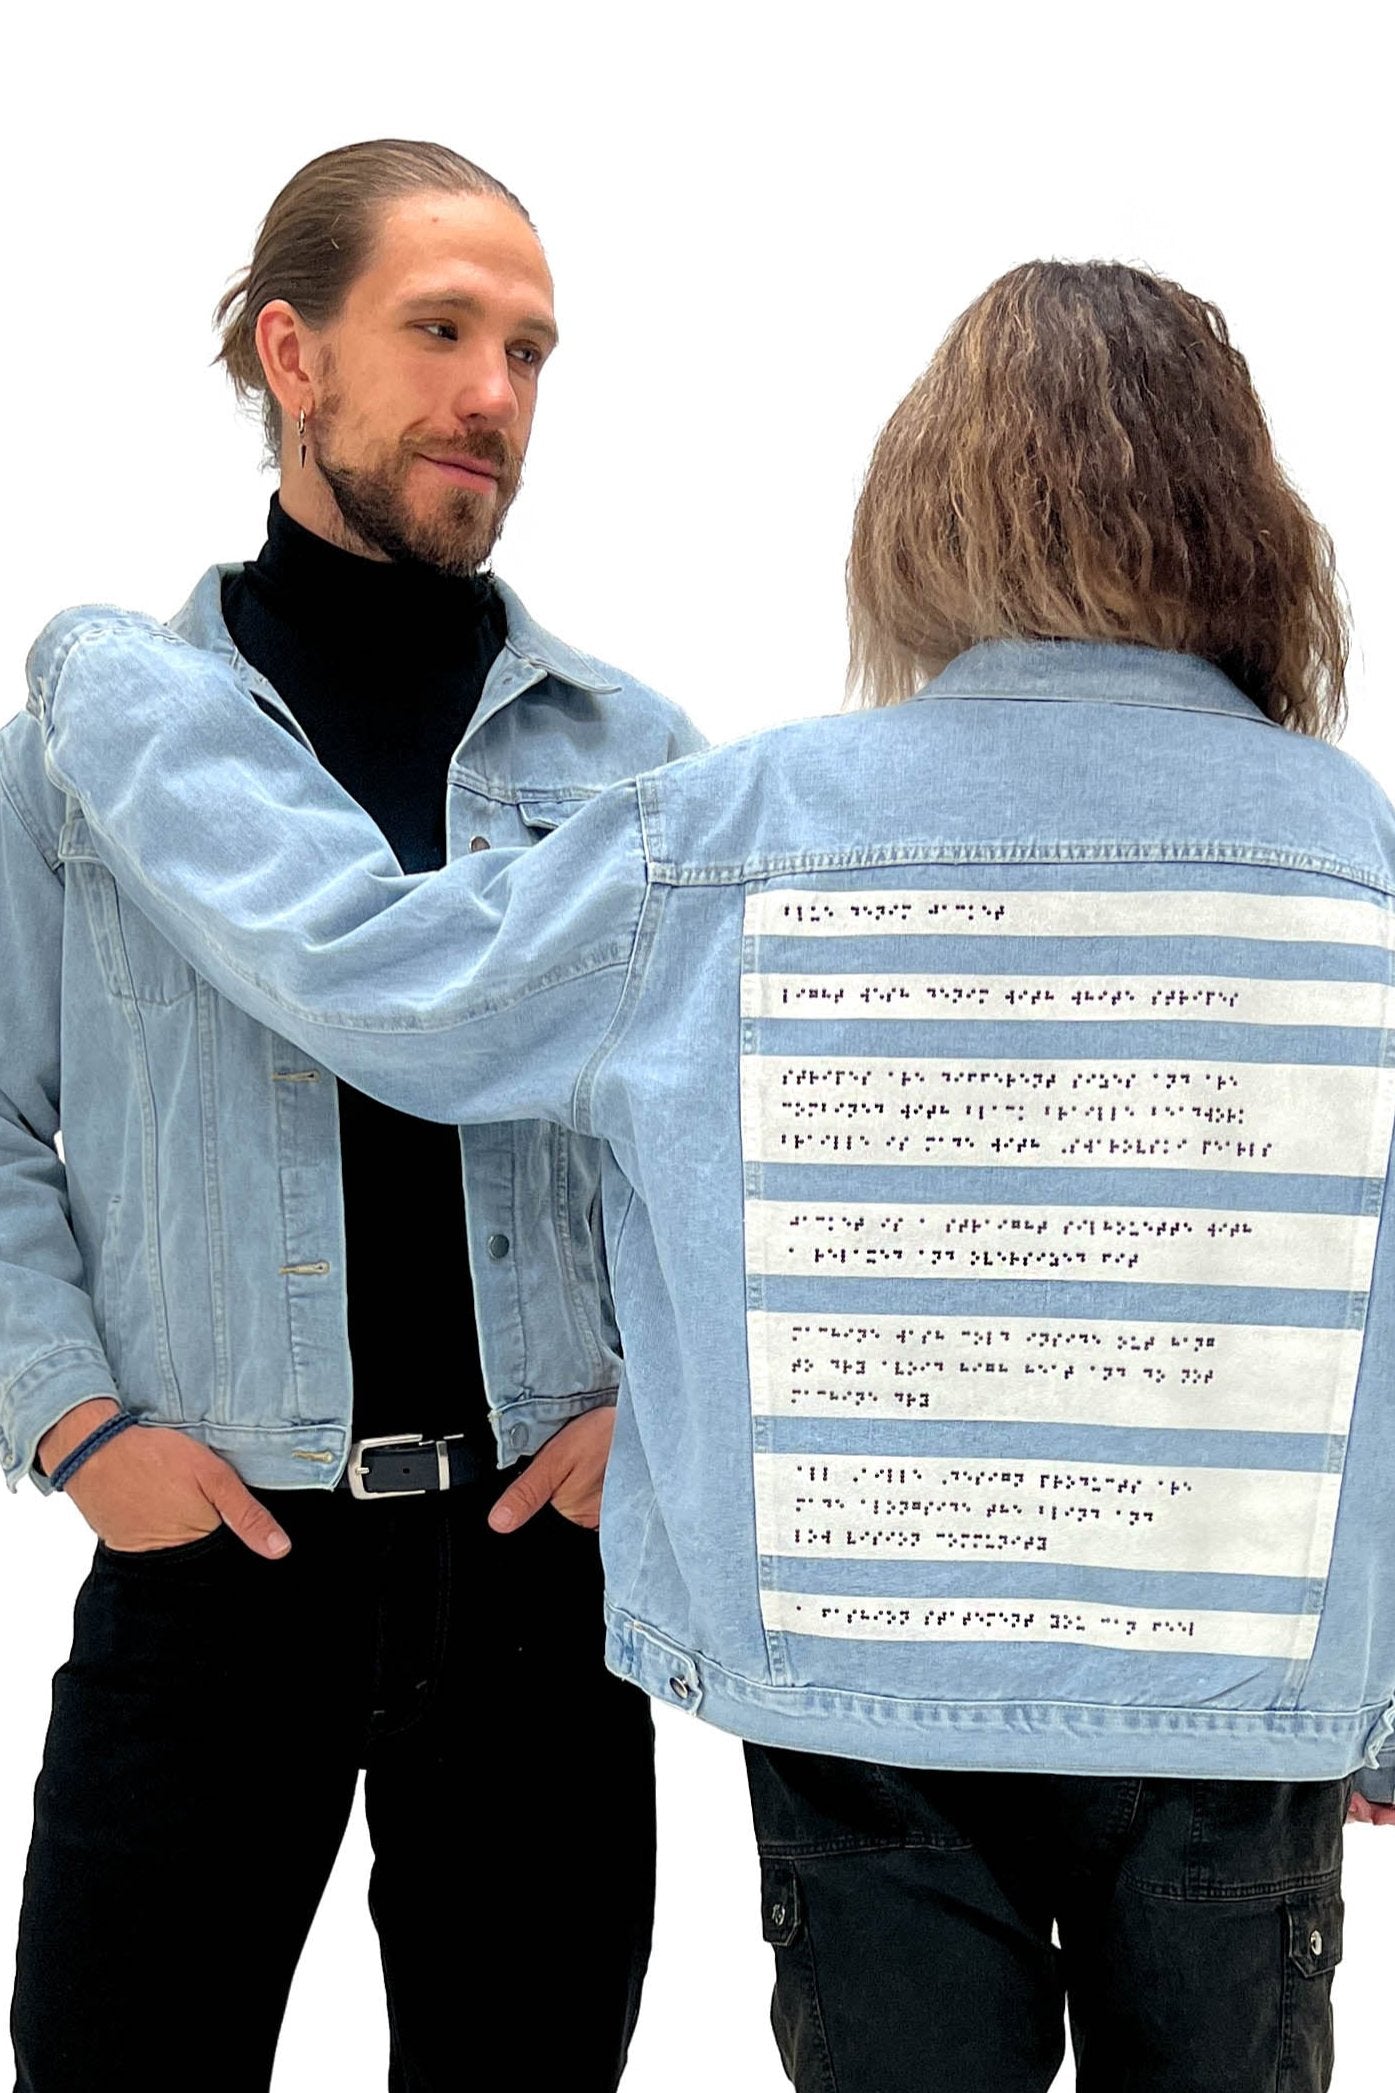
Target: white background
(761,220)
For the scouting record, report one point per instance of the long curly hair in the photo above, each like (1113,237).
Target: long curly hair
(1086,458)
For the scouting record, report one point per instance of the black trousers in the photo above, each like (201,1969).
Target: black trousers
(202,1758)
(911,1916)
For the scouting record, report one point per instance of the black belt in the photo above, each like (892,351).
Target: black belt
(411,1465)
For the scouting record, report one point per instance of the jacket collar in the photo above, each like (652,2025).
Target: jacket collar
(529,652)
(544,651)
(1106,671)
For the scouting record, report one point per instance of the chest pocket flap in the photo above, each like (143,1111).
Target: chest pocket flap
(503,819)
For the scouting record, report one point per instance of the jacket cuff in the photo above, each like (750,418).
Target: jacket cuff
(1376,1783)
(46,1390)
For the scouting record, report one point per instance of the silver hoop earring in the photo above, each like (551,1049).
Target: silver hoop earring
(300,431)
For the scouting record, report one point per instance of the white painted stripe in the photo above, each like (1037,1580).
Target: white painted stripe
(1151,1376)
(1064,912)
(1308,1118)
(1198,1633)
(1125,1516)
(1101,998)
(1166,1246)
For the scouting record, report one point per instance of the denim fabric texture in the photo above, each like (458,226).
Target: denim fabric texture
(186,1251)
(997,1094)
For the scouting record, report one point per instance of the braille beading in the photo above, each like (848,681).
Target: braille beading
(962,1111)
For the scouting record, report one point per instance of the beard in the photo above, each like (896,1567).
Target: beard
(457,536)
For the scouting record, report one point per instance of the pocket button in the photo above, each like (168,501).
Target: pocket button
(780,1912)
(1315,1933)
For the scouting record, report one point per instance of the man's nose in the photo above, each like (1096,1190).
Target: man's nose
(486,390)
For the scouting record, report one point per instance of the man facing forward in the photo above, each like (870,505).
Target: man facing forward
(280,1277)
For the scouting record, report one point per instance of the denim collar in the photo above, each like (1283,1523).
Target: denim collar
(1108,672)
(546,652)
(200,621)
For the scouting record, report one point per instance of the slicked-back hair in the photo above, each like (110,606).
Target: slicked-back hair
(317,238)
(1086,458)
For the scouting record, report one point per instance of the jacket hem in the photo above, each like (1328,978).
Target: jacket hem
(523,1427)
(996,1736)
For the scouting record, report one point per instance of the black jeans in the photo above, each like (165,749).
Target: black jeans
(201,1762)
(911,1916)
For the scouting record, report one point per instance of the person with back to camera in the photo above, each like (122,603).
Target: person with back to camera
(998,1115)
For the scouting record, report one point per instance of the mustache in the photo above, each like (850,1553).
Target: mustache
(488,447)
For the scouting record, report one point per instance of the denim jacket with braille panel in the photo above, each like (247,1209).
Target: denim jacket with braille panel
(998,1091)
(182,1244)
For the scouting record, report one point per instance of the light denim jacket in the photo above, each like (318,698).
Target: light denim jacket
(190,1255)
(998,1094)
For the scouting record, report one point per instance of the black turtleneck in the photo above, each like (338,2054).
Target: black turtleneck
(382,663)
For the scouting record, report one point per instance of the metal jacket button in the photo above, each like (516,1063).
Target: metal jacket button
(497,1246)
(680,1687)
(479,842)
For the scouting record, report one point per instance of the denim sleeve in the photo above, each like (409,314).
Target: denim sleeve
(51,1356)
(483,992)
(1377,1783)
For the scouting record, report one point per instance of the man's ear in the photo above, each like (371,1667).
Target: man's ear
(286,352)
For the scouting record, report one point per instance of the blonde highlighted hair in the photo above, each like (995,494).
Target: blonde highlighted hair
(1086,458)
(317,238)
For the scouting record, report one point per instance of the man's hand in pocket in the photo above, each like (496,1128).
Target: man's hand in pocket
(151,1487)
(568,1474)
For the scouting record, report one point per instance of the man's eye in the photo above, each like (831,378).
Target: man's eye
(528,353)
(440,330)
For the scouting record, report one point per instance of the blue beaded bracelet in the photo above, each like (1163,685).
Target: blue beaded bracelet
(107,1429)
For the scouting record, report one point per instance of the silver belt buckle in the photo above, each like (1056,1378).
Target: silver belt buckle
(355,1468)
